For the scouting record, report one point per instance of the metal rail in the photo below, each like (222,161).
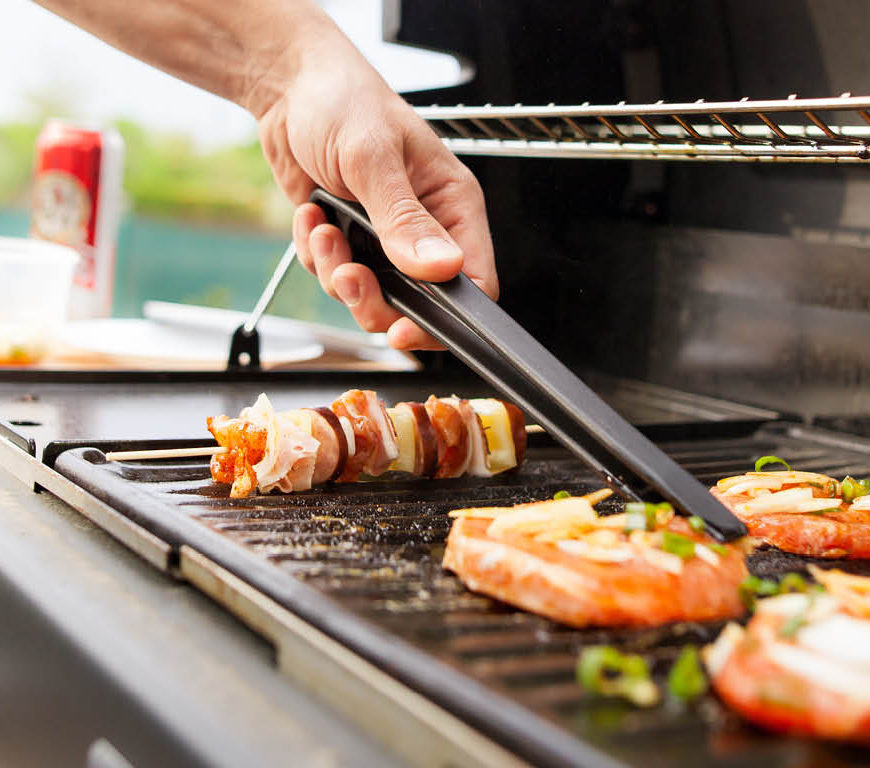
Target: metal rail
(792,130)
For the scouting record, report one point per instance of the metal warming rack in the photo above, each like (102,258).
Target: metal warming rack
(792,130)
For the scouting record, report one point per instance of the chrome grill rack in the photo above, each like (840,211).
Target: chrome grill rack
(792,130)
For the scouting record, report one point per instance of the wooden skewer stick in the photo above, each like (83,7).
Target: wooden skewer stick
(214,450)
(166,453)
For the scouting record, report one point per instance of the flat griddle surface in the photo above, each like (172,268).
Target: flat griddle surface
(64,409)
(362,563)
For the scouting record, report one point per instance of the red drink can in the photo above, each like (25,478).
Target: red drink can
(77,202)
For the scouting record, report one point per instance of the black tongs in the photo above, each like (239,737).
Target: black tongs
(494,345)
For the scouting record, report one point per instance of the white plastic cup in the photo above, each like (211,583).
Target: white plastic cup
(35,281)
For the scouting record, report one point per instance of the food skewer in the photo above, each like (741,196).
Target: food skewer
(357,435)
(215,450)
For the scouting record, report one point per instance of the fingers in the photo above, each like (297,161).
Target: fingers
(307,217)
(405,334)
(411,237)
(324,252)
(329,250)
(357,287)
(320,247)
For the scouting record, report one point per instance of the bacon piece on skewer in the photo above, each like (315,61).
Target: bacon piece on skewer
(452,435)
(291,451)
(373,432)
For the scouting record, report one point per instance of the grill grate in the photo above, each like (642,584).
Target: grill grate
(374,550)
(784,130)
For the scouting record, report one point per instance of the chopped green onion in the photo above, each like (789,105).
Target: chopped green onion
(853,489)
(652,514)
(697,524)
(793,582)
(636,521)
(719,549)
(687,680)
(561,495)
(765,460)
(753,587)
(824,511)
(679,545)
(640,516)
(602,669)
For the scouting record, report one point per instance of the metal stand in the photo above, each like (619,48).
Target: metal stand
(245,344)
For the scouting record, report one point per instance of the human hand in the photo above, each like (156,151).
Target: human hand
(338,125)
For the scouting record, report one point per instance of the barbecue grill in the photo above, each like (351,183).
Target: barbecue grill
(702,299)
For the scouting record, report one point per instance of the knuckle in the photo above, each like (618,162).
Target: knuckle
(404,212)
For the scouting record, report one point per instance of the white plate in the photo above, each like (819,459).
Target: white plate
(145,339)
(277,331)
(270,327)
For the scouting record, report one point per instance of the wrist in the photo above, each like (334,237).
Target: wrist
(276,59)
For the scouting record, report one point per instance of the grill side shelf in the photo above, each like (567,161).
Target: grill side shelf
(511,725)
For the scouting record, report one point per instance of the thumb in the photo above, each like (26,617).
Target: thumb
(411,237)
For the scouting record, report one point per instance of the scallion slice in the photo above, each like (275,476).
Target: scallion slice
(679,545)
(653,515)
(697,524)
(687,680)
(853,489)
(765,460)
(753,587)
(602,669)
(561,495)
(792,582)
(640,516)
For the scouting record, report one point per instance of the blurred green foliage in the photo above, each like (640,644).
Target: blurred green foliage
(17,142)
(166,176)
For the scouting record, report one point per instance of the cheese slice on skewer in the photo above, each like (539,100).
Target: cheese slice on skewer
(498,430)
(406,439)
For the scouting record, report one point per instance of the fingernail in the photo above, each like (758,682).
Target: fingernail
(431,249)
(347,289)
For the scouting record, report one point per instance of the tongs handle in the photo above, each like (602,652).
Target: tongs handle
(493,344)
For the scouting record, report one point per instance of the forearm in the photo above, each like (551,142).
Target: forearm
(246,51)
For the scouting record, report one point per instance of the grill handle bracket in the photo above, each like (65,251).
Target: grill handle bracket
(495,346)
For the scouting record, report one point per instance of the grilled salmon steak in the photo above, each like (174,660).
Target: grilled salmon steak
(560,559)
(802,665)
(804,513)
